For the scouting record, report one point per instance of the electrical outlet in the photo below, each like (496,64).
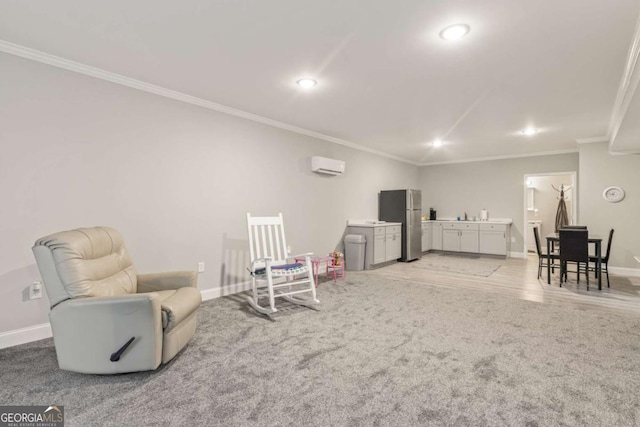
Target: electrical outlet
(513,240)
(35,290)
(201,267)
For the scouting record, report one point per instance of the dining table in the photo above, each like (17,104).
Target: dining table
(554,238)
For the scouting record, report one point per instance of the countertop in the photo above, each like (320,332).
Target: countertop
(369,224)
(491,221)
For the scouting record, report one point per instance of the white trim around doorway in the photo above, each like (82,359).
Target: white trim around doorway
(574,208)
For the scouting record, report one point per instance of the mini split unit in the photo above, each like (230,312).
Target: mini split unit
(327,166)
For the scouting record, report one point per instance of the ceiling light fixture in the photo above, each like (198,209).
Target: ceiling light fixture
(306,83)
(529,131)
(437,143)
(455,32)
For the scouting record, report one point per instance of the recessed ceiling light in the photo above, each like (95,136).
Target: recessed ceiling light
(437,143)
(529,131)
(455,32)
(306,83)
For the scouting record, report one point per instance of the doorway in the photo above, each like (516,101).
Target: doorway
(541,197)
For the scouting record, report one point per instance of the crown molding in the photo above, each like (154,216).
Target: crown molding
(627,88)
(505,157)
(592,140)
(56,61)
(623,153)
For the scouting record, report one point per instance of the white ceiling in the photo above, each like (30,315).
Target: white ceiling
(386,81)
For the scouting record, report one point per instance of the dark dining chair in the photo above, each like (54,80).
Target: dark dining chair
(574,247)
(542,256)
(570,227)
(604,260)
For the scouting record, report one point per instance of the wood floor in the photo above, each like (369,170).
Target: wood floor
(517,278)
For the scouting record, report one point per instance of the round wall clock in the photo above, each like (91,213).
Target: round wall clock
(613,194)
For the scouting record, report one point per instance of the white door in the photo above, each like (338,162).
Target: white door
(379,249)
(493,242)
(469,241)
(426,237)
(436,236)
(451,240)
(393,246)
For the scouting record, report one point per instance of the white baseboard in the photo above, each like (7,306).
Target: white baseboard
(624,271)
(42,331)
(25,335)
(222,291)
(517,254)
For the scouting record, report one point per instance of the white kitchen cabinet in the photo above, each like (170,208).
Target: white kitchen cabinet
(393,243)
(436,236)
(451,240)
(379,247)
(460,237)
(426,236)
(469,241)
(383,242)
(492,238)
(495,239)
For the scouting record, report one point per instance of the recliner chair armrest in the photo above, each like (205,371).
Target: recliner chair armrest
(87,331)
(167,281)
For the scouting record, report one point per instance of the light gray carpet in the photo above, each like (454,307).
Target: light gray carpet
(461,264)
(378,352)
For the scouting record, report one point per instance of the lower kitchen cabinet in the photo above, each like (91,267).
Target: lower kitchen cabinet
(393,243)
(436,236)
(469,241)
(451,240)
(383,243)
(426,236)
(471,237)
(494,239)
(460,237)
(379,247)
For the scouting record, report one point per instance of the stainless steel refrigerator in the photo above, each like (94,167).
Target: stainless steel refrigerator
(404,206)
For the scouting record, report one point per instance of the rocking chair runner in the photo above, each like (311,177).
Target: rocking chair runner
(273,275)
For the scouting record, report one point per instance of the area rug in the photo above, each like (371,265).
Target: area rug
(461,264)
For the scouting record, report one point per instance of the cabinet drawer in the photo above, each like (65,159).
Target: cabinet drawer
(460,226)
(493,227)
(467,226)
(379,231)
(393,229)
(426,225)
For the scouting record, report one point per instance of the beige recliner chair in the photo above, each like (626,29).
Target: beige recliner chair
(106,318)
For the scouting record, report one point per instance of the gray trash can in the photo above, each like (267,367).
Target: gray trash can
(354,245)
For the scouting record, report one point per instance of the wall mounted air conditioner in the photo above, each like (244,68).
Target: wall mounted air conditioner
(327,166)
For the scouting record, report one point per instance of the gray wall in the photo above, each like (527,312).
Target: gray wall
(599,170)
(175,179)
(496,185)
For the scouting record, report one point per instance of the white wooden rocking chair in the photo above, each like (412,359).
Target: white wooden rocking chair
(273,272)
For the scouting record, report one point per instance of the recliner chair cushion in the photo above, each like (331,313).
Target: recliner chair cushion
(92,262)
